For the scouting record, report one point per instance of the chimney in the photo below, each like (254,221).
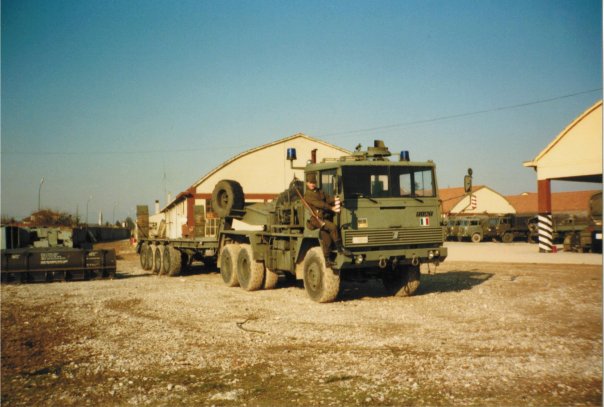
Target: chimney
(157,206)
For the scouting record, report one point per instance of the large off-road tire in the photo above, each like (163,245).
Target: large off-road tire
(403,281)
(226,197)
(507,238)
(171,261)
(250,272)
(143,256)
(157,259)
(148,253)
(228,264)
(320,281)
(476,238)
(270,279)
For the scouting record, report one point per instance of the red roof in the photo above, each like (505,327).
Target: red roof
(451,196)
(576,201)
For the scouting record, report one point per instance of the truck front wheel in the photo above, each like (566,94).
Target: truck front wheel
(476,238)
(250,272)
(320,282)
(403,281)
(228,264)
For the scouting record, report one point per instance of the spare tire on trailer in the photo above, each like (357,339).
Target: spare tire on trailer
(227,197)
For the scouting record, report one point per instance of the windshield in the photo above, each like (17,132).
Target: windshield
(388,182)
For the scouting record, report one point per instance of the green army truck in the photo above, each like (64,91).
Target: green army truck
(587,238)
(472,228)
(390,224)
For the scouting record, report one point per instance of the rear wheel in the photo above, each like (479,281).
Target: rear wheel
(171,261)
(228,264)
(476,238)
(156,259)
(320,282)
(403,281)
(270,279)
(148,258)
(250,272)
(507,238)
(143,256)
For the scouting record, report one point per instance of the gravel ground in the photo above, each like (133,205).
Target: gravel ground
(476,333)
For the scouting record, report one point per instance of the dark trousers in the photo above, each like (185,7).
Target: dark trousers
(329,235)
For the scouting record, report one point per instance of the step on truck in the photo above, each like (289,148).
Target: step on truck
(390,224)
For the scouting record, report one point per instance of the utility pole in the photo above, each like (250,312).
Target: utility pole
(40,193)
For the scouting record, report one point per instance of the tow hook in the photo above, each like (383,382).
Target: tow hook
(382,263)
(415,260)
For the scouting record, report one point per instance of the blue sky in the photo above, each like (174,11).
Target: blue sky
(125,100)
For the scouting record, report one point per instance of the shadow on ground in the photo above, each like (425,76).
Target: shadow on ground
(452,281)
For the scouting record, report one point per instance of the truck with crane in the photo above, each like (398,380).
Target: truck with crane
(389,221)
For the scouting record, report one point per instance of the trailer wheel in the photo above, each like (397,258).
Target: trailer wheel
(171,261)
(476,238)
(143,256)
(156,259)
(226,197)
(270,279)
(250,272)
(403,281)
(149,258)
(320,282)
(228,264)
(507,238)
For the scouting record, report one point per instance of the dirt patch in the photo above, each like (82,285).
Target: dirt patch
(475,334)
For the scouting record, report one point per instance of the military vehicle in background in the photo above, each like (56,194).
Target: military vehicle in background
(589,237)
(390,224)
(505,228)
(52,254)
(509,227)
(472,228)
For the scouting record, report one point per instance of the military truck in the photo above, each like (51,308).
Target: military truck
(507,228)
(389,224)
(589,237)
(452,228)
(472,228)
(52,254)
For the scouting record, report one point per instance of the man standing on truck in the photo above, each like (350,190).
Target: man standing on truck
(323,207)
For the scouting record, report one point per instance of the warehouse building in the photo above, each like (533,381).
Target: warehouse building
(263,173)
(574,155)
(482,200)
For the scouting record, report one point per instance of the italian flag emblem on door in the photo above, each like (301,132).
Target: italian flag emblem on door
(424,221)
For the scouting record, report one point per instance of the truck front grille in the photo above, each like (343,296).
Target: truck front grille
(392,237)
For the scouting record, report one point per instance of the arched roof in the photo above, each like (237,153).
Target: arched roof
(576,153)
(264,146)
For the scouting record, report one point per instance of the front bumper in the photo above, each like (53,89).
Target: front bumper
(372,259)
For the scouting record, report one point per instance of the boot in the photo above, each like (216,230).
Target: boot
(342,249)
(329,263)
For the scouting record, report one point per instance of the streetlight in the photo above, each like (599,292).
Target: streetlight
(40,192)
(87,202)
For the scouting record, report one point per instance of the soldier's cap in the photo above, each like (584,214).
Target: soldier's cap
(311,177)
